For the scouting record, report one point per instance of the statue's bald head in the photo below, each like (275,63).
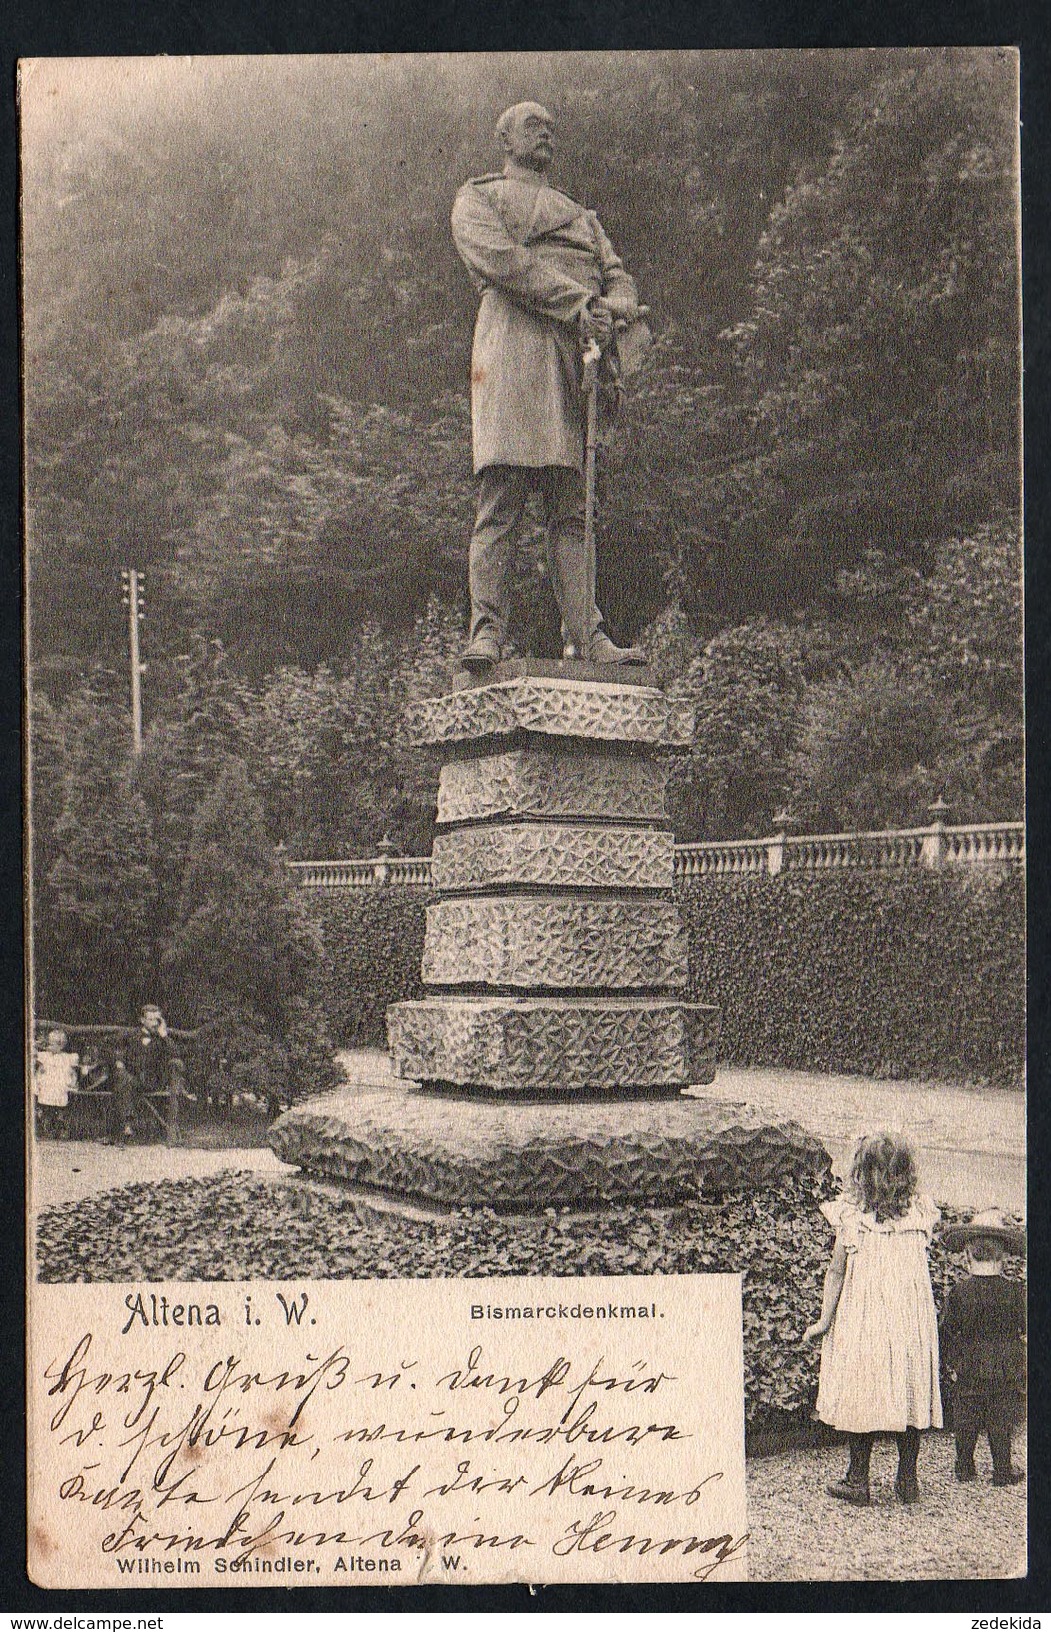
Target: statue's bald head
(525,132)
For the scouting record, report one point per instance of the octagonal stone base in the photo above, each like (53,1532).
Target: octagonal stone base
(424,1148)
(543,707)
(578,856)
(575,780)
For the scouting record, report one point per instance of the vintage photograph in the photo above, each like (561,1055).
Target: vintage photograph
(526,792)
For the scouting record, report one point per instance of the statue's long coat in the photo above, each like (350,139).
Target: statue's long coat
(537,258)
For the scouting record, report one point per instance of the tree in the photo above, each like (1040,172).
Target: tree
(362,525)
(746,686)
(327,753)
(96,904)
(934,709)
(243,957)
(194,726)
(879,365)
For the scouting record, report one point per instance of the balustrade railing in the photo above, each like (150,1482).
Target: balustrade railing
(362,875)
(986,842)
(720,859)
(970,845)
(822,852)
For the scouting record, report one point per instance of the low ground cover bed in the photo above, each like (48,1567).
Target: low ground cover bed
(237,1226)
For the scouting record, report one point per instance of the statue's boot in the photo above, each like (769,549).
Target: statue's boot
(604,650)
(481,654)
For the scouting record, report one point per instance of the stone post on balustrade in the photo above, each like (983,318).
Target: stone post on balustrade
(384,850)
(784,821)
(933,848)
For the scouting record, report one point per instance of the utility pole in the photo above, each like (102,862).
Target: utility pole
(133,600)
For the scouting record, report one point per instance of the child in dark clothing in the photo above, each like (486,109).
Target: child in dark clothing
(982,1334)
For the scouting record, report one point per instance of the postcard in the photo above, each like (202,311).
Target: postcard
(526,818)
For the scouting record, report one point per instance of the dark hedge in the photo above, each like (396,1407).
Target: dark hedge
(880,973)
(887,974)
(883,973)
(373,947)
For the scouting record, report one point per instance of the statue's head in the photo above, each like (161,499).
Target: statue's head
(526,133)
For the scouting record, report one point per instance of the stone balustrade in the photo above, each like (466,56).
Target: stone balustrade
(362,875)
(970,845)
(985,842)
(720,859)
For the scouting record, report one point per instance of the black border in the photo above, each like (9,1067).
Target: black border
(124,27)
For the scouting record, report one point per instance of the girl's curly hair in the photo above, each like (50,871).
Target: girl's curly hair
(883,1177)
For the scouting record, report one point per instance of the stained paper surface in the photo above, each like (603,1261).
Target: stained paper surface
(366,1433)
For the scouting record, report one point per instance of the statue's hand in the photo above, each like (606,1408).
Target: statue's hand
(596,323)
(623,308)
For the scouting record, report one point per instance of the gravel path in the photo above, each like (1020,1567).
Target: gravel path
(62,1171)
(969,1142)
(954,1532)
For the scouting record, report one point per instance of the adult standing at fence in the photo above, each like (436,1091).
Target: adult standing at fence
(551,284)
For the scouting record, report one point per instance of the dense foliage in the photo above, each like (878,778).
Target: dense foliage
(247,347)
(234,1227)
(155,880)
(140,865)
(247,360)
(883,973)
(373,942)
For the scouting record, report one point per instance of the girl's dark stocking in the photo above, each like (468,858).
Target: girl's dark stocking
(860,1457)
(855,1487)
(905,1486)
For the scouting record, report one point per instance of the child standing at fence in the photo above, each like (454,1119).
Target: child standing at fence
(879,1355)
(983,1344)
(54,1079)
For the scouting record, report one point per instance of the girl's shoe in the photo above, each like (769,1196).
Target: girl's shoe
(906,1489)
(850,1490)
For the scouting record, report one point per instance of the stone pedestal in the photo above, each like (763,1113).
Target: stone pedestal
(548,1064)
(556,955)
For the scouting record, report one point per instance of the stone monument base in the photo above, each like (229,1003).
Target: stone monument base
(414,1146)
(549,1047)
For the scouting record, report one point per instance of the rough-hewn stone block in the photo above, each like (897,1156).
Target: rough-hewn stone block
(545,782)
(548,1046)
(547,668)
(523,1159)
(566,943)
(485,858)
(558,708)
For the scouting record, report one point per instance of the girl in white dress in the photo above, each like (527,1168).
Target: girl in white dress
(54,1079)
(879,1326)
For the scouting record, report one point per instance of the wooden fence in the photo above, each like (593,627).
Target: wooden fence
(979,844)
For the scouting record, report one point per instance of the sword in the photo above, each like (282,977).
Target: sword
(592,357)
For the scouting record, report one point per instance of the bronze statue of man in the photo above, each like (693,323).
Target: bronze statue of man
(550,283)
